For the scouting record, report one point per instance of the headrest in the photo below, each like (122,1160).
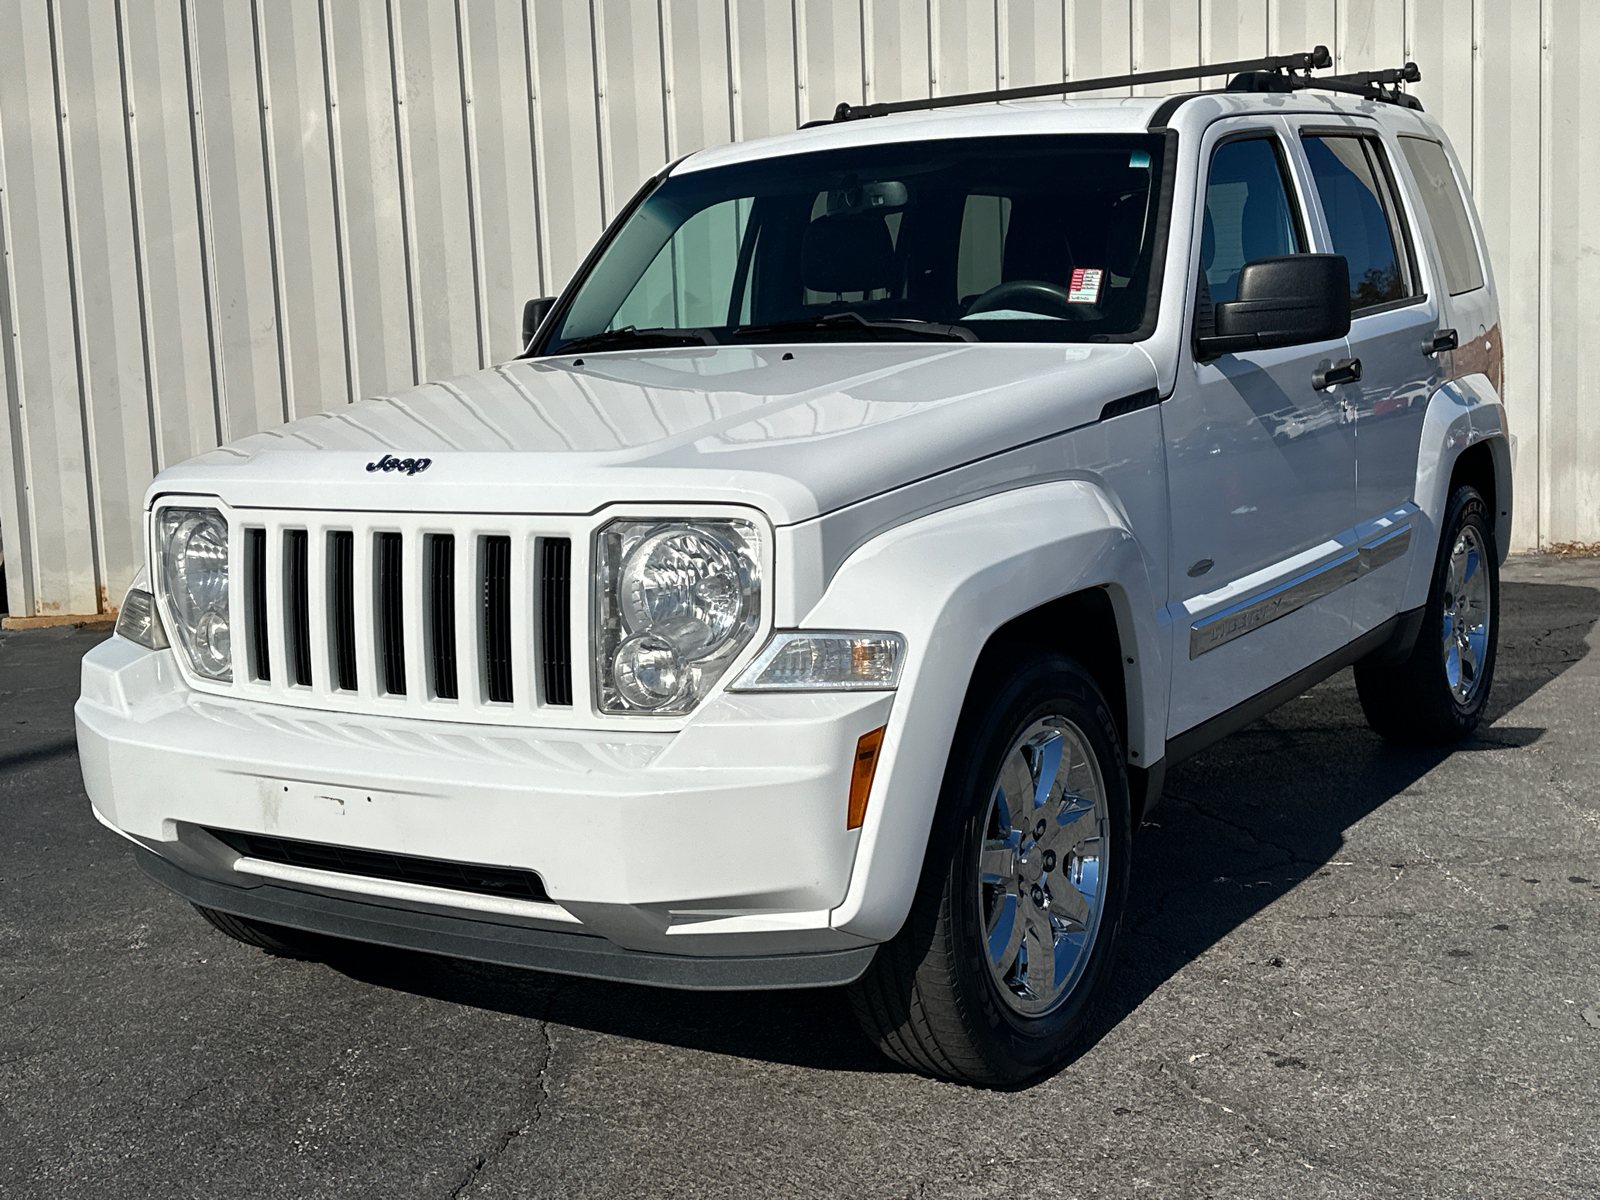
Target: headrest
(1208,241)
(1262,226)
(851,253)
(1125,238)
(1036,245)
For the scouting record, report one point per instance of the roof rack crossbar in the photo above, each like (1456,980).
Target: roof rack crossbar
(1317,58)
(1369,85)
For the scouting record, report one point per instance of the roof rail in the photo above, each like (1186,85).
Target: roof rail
(1276,73)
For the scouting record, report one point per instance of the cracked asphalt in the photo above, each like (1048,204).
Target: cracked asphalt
(1349,971)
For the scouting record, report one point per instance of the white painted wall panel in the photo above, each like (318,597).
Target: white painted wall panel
(216,214)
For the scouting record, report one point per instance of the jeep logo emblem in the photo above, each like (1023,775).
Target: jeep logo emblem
(409,465)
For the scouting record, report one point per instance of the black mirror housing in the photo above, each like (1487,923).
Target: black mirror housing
(1291,300)
(533,314)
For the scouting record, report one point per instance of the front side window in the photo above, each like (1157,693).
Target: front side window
(999,239)
(1447,213)
(1248,215)
(1358,200)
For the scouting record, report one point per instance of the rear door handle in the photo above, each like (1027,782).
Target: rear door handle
(1327,375)
(1442,340)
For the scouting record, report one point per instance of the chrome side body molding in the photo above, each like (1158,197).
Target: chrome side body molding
(1251,614)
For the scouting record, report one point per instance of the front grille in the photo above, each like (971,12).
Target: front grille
(391,612)
(255,583)
(342,605)
(423,616)
(297,605)
(442,614)
(555,618)
(401,868)
(497,617)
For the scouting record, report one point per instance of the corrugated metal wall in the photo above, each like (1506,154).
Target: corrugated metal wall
(216,215)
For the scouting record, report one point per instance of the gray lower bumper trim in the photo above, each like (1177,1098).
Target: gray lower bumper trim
(509,945)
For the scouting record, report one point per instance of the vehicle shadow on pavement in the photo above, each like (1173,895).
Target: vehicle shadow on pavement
(1240,826)
(1245,821)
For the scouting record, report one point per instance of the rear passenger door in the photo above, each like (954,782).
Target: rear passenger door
(1363,216)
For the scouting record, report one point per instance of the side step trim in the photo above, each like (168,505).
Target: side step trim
(1394,639)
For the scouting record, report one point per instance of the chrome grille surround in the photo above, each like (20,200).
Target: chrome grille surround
(343,545)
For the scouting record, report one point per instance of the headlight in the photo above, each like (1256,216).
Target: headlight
(137,619)
(802,661)
(678,600)
(192,573)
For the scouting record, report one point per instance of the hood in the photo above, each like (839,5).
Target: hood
(797,430)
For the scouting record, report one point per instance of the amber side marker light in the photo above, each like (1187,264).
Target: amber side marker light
(861,775)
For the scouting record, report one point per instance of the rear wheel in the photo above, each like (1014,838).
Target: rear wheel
(274,939)
(1439,693)
(1011,937)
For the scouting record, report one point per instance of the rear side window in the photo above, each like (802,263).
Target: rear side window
(1447,213)
(1358,199)
(1248,214)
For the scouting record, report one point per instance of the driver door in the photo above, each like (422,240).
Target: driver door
(1261,465)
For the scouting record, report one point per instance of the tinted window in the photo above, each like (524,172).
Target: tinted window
(1447,213)
(1248,214)
(1015,239)
(1359,204)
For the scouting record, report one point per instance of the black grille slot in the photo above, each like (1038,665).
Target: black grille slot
(374,864)
(391,613)
(497,617)
(442,613)
(255,552)
(555,618)
(342,606)
(297,606)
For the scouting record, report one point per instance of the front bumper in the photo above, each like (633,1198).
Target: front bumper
(725,840)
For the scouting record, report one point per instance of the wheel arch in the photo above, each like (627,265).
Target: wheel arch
(1054,565)
(1465,439)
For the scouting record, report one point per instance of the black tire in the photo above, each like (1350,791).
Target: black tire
(274,939)
(1413,702)
(930,999)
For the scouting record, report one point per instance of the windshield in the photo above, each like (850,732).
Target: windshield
(1037,239)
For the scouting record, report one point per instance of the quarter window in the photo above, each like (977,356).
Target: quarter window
(1447,213)
(1358,199)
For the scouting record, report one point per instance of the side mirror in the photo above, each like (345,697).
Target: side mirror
(533,314)
(1287,301)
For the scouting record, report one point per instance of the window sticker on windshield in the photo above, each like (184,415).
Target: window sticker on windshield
(1138,161)
(1085,287)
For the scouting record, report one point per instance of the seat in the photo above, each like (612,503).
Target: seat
(848,253)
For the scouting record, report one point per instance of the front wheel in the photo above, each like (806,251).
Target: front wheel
(1011,938)
(1439,693)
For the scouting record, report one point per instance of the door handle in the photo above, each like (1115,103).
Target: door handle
(1442,340)
(1327,375)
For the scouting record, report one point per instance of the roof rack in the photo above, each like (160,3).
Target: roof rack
(1276,73)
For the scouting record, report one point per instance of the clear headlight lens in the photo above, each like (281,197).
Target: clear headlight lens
(801,661)
(678,601)
(192,573)
(137,619)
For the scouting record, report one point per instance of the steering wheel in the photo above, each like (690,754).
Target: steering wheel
(1031,295)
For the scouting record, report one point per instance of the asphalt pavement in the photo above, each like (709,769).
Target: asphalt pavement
(1349,970)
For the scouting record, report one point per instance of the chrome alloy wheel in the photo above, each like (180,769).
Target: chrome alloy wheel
(1466,617)
(1041,879)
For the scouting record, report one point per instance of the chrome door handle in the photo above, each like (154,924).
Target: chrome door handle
(1442,340)
(1327,375)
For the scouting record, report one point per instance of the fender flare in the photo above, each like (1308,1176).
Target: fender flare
(1460,414)
(947,582)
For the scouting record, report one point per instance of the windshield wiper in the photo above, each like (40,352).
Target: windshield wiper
(630,335)
(850,319)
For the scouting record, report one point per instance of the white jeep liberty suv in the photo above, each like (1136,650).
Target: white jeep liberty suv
(822,595)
